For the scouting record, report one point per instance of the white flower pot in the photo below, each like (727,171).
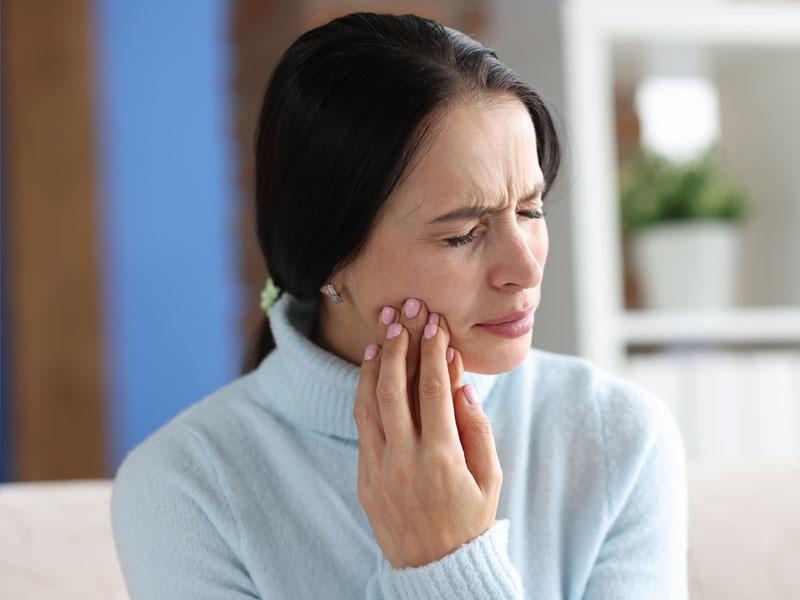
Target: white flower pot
(687,264)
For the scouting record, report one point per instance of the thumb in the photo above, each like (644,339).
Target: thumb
(477,440)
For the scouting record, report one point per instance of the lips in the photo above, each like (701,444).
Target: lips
(515,316)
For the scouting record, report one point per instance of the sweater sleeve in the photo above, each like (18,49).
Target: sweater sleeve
(480,569)
(644,552)
(173,530)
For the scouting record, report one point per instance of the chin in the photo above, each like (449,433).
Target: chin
(497,357)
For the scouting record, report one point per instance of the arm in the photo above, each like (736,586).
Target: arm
(479,569)
(173,530)
(644,553)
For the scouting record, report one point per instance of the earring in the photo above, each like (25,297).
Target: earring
(330,291)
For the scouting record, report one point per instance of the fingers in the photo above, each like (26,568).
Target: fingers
(414,316)
(437,415)
(391,389)
(387,316)
(365,411)
(443,378)
(456,369)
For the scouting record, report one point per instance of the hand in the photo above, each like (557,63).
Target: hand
(426,491)
(413,315)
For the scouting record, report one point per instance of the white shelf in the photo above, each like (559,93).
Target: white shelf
(740,325)
(591,33)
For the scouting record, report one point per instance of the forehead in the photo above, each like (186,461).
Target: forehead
(475,151)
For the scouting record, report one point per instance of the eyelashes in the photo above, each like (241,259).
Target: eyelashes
(469,237)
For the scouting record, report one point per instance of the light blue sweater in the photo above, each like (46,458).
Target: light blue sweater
(251,492)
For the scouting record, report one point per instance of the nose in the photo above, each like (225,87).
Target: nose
(516,264)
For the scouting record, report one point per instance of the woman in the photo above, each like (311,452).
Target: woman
(397,436)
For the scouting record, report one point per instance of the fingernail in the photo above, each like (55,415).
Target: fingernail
(450,354)
(433,318)
(430,330)
(412,308)
(387,315)
(394,330)
(469,393)
(371,351)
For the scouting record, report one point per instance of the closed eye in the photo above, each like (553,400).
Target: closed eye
(469,237)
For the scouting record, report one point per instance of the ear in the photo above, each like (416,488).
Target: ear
(346,278)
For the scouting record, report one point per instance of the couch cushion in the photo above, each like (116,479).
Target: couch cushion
(744,531)
(57,542)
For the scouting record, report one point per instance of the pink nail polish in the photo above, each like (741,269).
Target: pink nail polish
(394,330)
(412,307)
(430,330)
(470,394)
(433,318)
(387,315)
(371,351)
(450,354)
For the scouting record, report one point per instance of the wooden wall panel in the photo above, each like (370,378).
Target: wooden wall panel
(57,412)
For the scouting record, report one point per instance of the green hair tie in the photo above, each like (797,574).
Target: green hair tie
(269,295)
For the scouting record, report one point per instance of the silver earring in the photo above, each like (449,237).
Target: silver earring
(330,291)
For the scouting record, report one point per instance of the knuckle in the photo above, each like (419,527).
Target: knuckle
(431,388)
(360,415)
(496,471)
(496,479)
(364,495)
(389,395)
(482,426)
(403,474)
(439,466)
(439,457)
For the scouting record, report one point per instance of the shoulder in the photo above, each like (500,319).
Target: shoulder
(181,462)
(628,413)
(579,400)
(167,468)
(182,436)
(171,509)
(628,424)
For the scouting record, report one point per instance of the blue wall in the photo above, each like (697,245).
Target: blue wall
(168,210)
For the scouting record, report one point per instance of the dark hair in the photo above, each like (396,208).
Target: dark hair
(344,111)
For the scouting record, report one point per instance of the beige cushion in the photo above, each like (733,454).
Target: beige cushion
(744,531)
(56,542)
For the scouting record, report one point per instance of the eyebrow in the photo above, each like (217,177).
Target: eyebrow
(477,210)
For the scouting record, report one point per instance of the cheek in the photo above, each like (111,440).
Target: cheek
(450,286)
(392,270)
(444,284)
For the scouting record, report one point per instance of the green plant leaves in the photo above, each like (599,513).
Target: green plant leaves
(655,190)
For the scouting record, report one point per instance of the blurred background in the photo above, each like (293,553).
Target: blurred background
(131,274)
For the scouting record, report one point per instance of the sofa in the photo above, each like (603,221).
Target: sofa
(744,536)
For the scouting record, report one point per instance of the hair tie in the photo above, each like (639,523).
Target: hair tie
(269,295)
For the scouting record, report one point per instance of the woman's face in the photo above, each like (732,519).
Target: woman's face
(477,154)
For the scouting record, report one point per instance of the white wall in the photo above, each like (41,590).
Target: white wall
(527,36)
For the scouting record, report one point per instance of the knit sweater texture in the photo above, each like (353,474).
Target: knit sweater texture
(251,491)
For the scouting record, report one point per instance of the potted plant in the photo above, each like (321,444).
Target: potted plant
(682,227)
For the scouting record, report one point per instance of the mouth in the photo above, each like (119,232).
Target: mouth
(510,326)
(509,318)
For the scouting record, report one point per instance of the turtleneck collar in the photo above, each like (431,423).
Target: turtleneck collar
(309,386)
